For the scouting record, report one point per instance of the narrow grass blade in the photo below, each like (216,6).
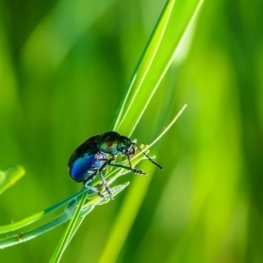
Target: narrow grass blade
(10,176)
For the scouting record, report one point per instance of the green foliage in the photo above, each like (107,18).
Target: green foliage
(64,66)
(10,176)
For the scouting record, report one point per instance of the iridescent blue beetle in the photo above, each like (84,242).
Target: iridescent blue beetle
(96,153)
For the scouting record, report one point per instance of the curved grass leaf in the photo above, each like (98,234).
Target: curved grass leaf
(10,176)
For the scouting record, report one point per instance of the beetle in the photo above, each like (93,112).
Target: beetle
(96,153)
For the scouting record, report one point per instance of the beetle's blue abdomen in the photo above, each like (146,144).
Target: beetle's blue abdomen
(85,160)
(82,167)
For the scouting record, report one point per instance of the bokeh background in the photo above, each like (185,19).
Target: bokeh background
(64,69)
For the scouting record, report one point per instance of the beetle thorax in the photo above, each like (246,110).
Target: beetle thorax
(109,143)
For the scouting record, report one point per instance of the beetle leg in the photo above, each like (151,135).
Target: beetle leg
(107,162)
(90,187)
(129,168)
(94,189)
(105,185)
(135,171)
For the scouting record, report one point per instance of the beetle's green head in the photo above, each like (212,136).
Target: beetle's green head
(113,143)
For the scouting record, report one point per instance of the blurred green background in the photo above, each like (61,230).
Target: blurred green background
(64,69)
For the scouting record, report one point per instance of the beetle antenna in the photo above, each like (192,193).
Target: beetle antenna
(149,158)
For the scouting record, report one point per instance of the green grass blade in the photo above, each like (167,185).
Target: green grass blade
(130,208)
(174,24)
(79,214)
(16,226)
(62,245)
(10,176)
(176,19)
